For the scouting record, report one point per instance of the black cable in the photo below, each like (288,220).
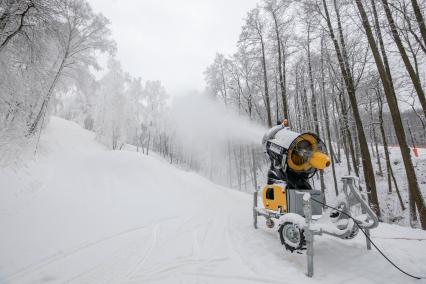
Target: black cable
(368,237)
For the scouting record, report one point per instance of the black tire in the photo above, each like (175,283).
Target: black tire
(292,237)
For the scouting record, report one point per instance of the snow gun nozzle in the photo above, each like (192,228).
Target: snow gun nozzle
(319,160)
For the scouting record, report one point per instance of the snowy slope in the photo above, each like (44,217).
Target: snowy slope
(83,214)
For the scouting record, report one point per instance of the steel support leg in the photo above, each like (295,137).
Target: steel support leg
(255,209)
(310,252)
(367,232)
(309,235)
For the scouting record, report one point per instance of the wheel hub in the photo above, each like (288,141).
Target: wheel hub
(291,234)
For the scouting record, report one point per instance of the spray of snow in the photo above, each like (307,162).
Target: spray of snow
(208,132)
(203,122)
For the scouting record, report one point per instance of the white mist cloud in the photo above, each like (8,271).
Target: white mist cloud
(203,123)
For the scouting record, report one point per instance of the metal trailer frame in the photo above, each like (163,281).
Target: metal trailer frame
(352,196)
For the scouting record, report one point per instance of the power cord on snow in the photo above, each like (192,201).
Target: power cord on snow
(368,237)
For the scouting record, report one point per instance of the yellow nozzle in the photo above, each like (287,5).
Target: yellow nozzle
(319,160)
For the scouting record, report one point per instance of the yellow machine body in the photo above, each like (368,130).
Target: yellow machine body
(274,197)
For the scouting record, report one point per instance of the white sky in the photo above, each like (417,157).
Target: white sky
(173,41)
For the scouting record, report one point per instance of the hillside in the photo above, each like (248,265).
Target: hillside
(80,213)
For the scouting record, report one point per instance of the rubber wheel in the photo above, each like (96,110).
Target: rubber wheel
(292,237)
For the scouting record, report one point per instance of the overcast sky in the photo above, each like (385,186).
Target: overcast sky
(173,41)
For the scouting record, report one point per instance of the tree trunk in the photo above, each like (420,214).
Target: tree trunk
(420,20)
(277,111)
(297,101)
(376,146)
(327,121)
(387,156)
(148,143)
(254,168)
(314,104)
(230,164)
(336,130)
(45,104)
(265,82)
(343,136)
(52,86)
(280,69)
(347,134)
(284,97)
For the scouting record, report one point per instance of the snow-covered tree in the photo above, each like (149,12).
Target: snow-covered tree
(111,113)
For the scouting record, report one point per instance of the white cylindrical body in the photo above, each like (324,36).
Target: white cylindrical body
(281,136)
(285,137)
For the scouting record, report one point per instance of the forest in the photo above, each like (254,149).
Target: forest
(352,71)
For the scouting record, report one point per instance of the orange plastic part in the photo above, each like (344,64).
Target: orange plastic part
(416,152)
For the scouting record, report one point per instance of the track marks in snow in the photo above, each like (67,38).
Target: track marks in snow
(120,267)
(74,254)
(242,278)
(141,262)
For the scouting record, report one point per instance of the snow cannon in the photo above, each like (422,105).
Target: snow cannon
(295,157)
(300,209)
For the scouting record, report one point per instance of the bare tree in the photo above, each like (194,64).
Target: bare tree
(390,175)
(276,10)
(254,34)
(420,19)
(413,75)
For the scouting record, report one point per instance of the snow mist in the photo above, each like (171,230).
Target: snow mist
(213,137)
(201,121)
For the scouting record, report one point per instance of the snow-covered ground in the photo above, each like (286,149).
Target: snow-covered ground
(82,214)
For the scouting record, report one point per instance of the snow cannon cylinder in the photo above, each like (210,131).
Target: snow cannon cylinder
(300,152)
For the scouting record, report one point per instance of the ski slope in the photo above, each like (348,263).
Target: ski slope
(80,213)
